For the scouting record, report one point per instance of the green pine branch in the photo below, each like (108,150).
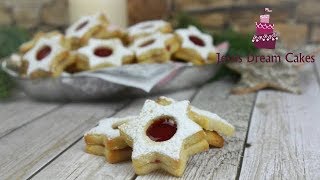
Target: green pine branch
(10,40)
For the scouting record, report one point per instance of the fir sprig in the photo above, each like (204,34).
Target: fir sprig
(10,40)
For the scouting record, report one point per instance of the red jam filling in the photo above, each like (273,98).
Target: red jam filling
(162,129)
(197,41)
(82,25)
(43,52)
(103,51)
(147,43)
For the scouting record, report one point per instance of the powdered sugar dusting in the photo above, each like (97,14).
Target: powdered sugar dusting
(146,27)
(108,126)
(215,121)
(151,110)
(54,43)
(115,59)
(159,43)
(203,51)
(91,22)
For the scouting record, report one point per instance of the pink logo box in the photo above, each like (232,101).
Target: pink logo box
(265,37)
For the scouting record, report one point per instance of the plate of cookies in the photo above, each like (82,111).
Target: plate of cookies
(94,59)
(163,136)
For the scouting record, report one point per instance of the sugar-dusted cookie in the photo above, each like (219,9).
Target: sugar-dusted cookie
(196,46)
(111,31)
(147,28)
(105,140)
(25,47)
(214,139)
(163,137)
(85,28)
(207,120)
(100,53)
(47,58)
(155,48)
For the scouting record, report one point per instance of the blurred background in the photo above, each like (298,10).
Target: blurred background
(297,21)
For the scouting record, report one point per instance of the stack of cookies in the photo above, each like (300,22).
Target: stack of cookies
(163,136)
(92,43)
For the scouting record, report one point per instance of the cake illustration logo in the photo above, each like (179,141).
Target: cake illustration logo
(265,37)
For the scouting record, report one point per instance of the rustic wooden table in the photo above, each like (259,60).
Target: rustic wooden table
(277,135)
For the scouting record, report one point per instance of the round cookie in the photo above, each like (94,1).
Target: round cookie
(156,48)
(85,28)
(100,53)
(196,47)
(147,28)
(48,58)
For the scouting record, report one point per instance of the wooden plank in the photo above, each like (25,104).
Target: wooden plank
(218,163)
(317,68)
(26,150)
(20,110)
(284,134)
(76,164)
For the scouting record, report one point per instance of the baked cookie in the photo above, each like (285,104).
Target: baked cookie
(100,53)
(156,48)
(207,120)
(85,28)
(163,137)
(105,140)
(48,57)
(147,28)
(27,46)
(196,47)
(111,31)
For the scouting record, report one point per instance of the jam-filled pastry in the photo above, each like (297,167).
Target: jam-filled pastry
(156,48)
(25,47)
(196,46)
(163,137)
(207,120)
(100,53)
(147,28)
(105,140)
(47,58)
(111,31)
(85,28)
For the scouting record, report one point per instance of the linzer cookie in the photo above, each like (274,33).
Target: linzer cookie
(101,53)
(146,28)
(48,57)
(163,137)
(156,48)
(105,140)
(196,47)
(85,28)
(207,120)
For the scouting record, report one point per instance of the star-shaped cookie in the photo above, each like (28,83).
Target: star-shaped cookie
(255,76)
(163,137)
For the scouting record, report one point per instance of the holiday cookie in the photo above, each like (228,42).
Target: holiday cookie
(85,28)
(110,31)
(214,139)
(27,46)
(147,28)
(196,46)
(105,140)
(163,137)
(207,120)
(100,53)
(48,57)
(155,48)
